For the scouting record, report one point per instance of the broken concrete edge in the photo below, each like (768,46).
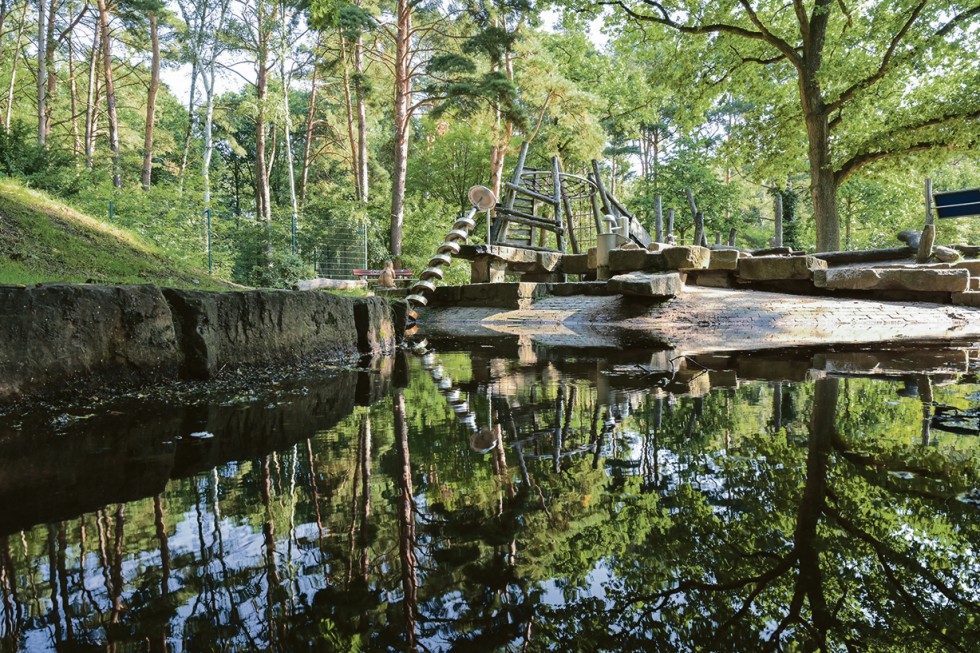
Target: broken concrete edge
(56,337)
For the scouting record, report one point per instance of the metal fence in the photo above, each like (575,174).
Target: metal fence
(344,250)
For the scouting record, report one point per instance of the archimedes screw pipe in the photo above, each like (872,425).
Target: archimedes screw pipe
(421,291)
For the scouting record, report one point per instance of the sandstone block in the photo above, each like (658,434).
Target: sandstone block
(574,264)
(631,260)
(55,333)
(655,286)
(715,279)
(723,259)
(770,268)
(686,258)
(489,295)
(911,279)
(972,266)
(967,298)
(593,257)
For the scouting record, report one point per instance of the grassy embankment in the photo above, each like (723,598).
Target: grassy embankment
(44,240)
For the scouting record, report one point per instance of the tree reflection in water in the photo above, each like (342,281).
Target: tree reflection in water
(744,510)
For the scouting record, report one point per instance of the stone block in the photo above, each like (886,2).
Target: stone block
(723,259)
(909,279)
(633,260)
(654,286)
(770,268)
(574,264)
(570,288)
(593,255)
(967,298)
(53,334)
(657,247)
(489,295)
(686,258)
(714,279)
(972,266)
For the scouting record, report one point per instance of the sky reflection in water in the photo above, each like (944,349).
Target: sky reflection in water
(539,501)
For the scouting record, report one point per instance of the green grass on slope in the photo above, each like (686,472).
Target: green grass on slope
(43,240)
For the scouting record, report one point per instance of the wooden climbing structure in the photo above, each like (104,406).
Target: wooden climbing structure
(555,211)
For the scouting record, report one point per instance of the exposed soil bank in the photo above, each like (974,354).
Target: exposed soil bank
(58,335)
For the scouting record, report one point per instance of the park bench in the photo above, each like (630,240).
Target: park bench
(957,203)
(402,277)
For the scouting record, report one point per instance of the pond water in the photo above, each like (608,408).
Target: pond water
(508,498)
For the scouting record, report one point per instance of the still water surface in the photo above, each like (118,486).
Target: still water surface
(509,500)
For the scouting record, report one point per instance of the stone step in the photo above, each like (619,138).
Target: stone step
(653,286)
(968,298)
(909,279)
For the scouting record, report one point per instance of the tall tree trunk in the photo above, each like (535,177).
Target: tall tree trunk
(51,75)
(349,107)
(287,138)
(498,153)
(362,147)
(151,102)
(403,98)
(191,122)
(823,181)
(263,200)
(406,525)
(91,99)
(73,86)
(13,67)
(308,142)
(42,86)
(110,93)
(208,79)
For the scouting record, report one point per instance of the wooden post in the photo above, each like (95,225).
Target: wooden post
(778,208)
(658,215)
(596,212)
(499,230)
(731,237)
(717,238)
(670,225)
(556,183)
(607,207)
(567,206)
(698,229)
(691,204)
(929,216)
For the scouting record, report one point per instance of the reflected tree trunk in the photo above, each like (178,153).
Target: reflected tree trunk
(406,524)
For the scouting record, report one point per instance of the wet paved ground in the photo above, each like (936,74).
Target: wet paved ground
(709,319)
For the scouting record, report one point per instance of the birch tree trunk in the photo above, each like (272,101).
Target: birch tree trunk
(73,86)
(263,200)
(208,80)
(151,102)
(13,68)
